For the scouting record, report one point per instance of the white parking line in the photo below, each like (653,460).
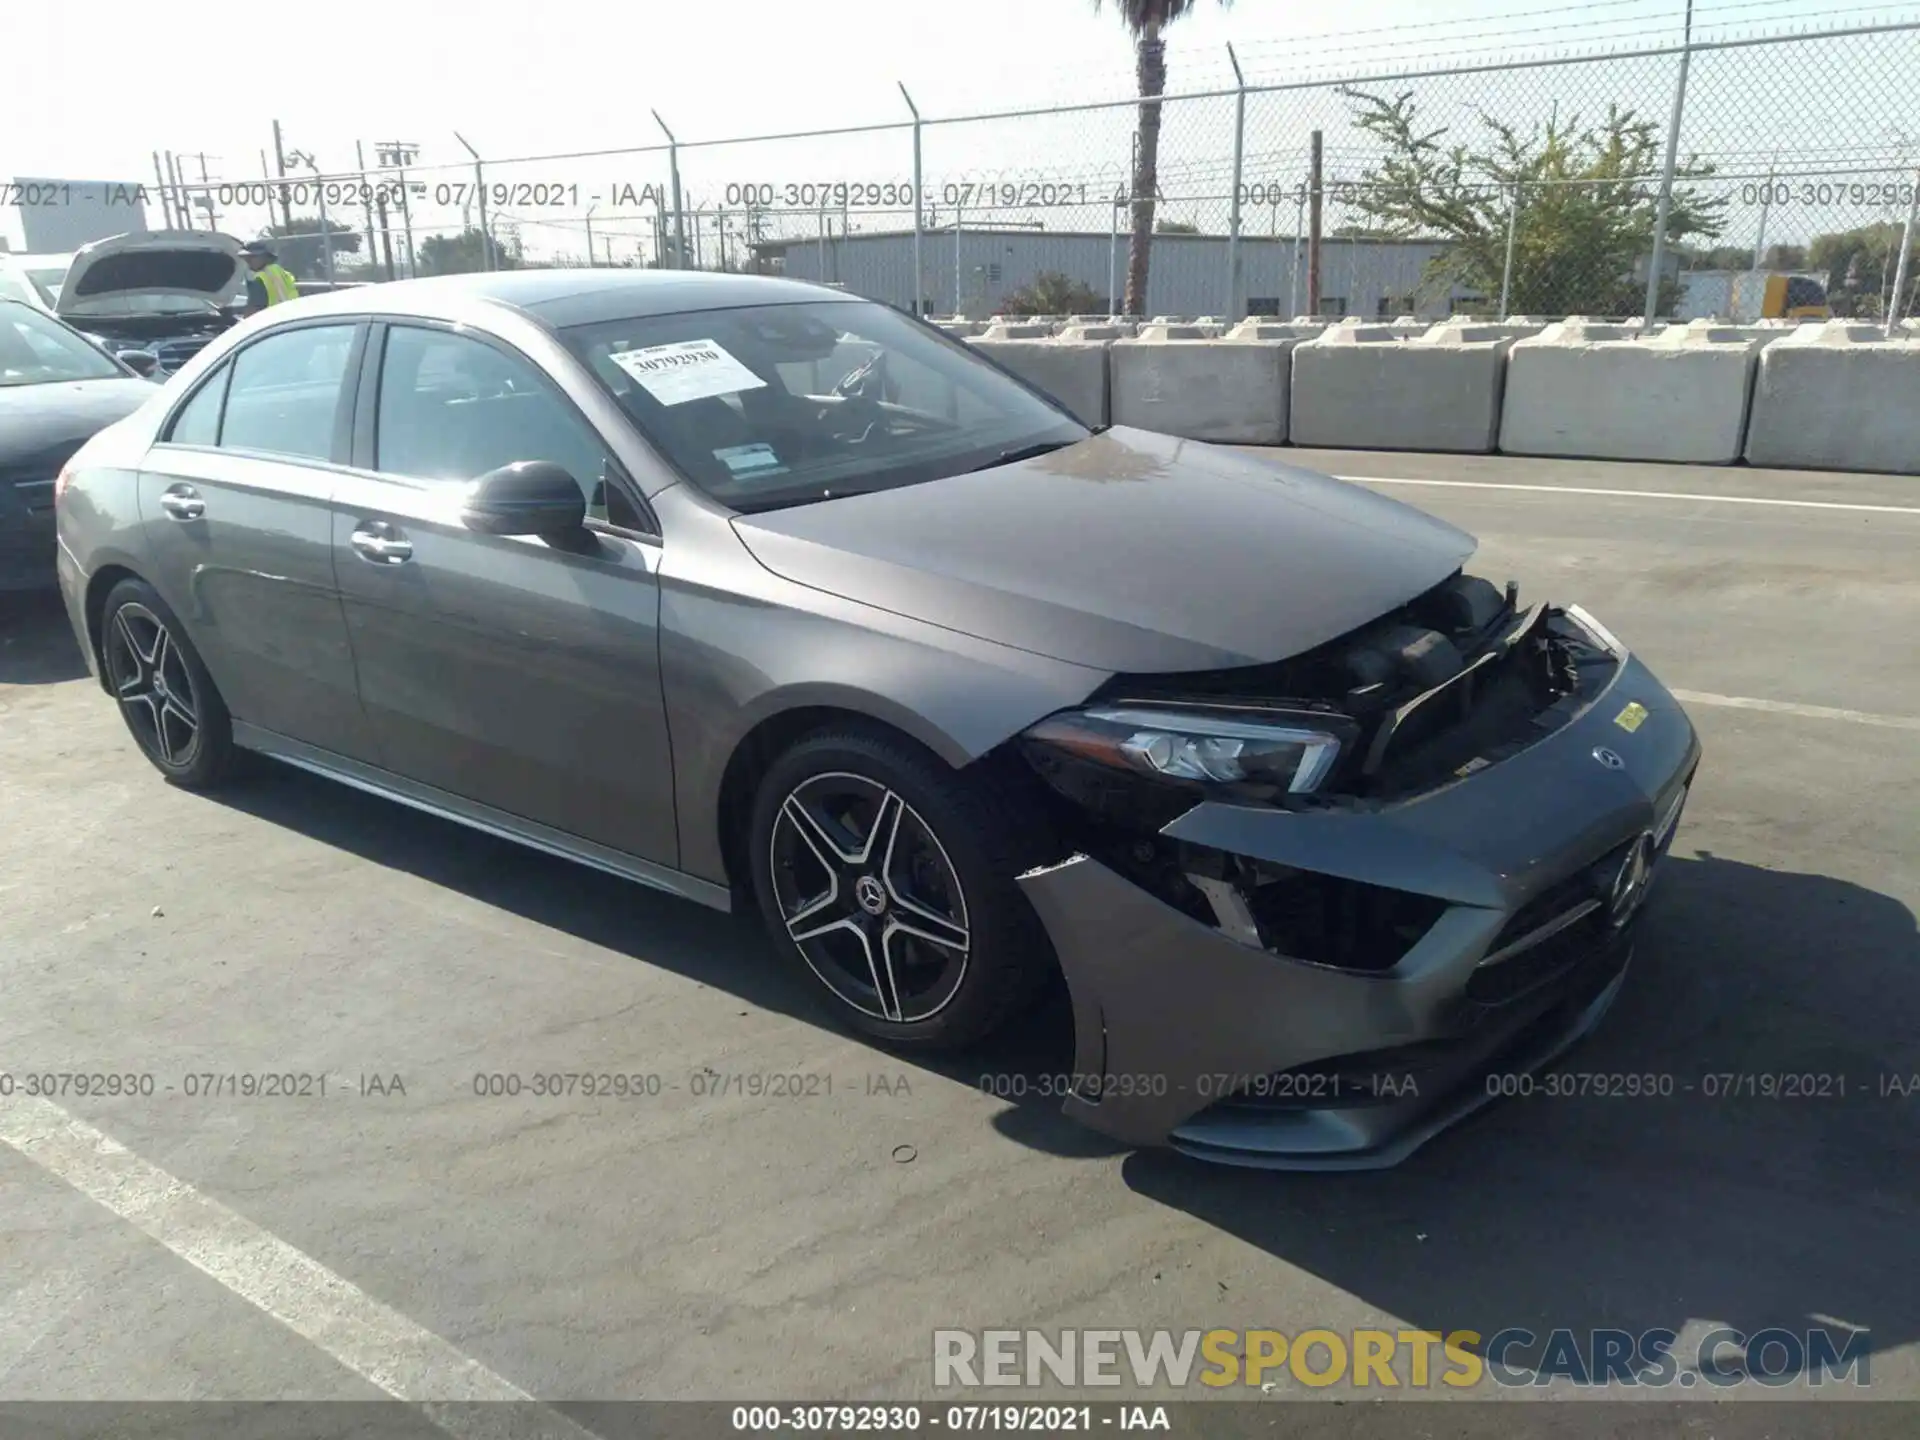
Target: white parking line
(1633,494)
(1788,707)
(376,1342)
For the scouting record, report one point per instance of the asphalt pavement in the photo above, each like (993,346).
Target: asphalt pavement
(704,1237)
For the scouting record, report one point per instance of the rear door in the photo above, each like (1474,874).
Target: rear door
(235,501)
(515,673)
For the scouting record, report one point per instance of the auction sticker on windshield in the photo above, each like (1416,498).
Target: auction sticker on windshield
(686,370)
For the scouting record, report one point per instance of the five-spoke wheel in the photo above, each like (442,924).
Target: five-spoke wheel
(150,679)
(870,897)
(169,701)
(891,876)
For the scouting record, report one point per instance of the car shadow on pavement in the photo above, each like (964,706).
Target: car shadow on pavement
(1730,1202)
(36,643)
(727,952)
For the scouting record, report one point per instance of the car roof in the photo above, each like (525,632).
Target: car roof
(562,297)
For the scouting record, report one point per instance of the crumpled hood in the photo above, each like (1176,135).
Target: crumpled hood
(1130,552)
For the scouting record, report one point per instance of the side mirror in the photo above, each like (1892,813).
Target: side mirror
(528,497)
(141,362)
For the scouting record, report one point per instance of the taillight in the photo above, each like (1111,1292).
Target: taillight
(60,482)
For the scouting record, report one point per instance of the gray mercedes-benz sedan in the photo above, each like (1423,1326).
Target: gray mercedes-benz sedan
(766,596)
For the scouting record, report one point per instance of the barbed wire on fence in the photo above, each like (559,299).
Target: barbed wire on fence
(1539,188)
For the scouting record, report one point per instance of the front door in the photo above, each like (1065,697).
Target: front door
(513,672)
(235,504)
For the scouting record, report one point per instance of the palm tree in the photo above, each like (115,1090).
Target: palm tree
(1145,20)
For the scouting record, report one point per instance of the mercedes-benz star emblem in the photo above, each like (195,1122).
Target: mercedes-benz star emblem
(1630,882)
(871,894)
(1609,759)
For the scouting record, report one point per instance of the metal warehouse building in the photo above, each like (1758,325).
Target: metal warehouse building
(973,271)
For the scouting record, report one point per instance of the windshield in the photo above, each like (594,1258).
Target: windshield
(772,405)
(36,350)
(49,279)
(15,286)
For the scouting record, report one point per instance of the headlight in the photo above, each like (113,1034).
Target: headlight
(1293,754)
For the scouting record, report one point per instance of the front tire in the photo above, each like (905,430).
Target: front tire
(167,699)
(890,880)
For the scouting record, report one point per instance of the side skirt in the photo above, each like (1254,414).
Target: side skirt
(389,786)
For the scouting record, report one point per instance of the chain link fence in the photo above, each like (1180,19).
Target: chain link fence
(1760,176)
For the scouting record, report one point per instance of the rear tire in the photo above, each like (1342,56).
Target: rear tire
(889,879)
(167,699)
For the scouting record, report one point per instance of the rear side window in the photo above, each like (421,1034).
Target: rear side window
(198,422)
(285,392)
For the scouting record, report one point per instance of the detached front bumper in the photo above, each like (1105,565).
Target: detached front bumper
(1225,1050)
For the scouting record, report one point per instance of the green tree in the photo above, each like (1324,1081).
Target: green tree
(462,253)
(1146,22)
(301,250)
(1175,227)
(1860,265)
(1587,196)
(1052,293)
(1785,257)
(1719,257)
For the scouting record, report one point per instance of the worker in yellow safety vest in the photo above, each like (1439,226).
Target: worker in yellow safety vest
(271,282)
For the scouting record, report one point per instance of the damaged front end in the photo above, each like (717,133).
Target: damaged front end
(1307,901)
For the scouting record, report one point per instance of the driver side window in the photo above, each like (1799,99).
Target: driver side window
(451,408)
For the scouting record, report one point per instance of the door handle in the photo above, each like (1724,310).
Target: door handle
(376,541)
(183,502)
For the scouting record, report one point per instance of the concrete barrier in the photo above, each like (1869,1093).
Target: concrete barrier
(1187,330)
(960,328)
(1072,371)
(1181,380)
(1400,329)
(1018,330)
(1765,331)
(1839,396)
(1262,327)
(1368,387)
(1679,396)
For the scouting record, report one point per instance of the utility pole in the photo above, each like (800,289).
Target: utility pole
(166,195)
(366,193)
(399,154)
(280,159)
(206,194)
(305,158)
(386,233)
(1313,226)
(180,191)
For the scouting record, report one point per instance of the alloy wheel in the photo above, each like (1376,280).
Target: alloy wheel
(870,897)
(150,679)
